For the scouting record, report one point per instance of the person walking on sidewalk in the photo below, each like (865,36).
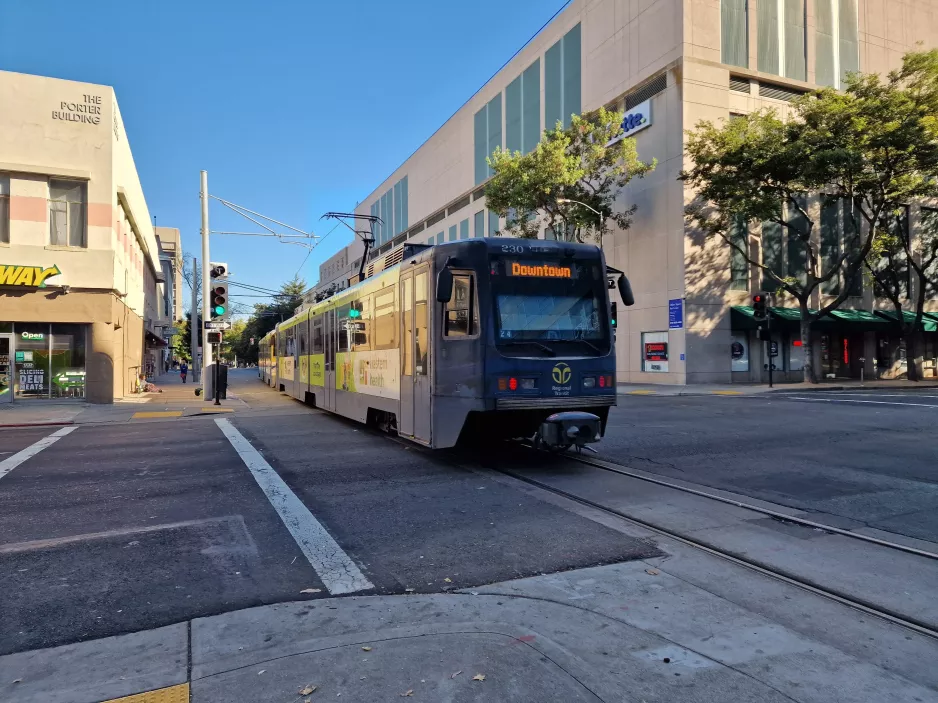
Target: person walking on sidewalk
(183,370)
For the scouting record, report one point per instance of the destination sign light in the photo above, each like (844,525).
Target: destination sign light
(540,270)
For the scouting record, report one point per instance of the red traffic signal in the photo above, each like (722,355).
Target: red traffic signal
(759,310)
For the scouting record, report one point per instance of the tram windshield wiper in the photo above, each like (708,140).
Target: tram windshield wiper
(528,342)
(589,344)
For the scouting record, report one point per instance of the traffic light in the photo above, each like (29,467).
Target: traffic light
(214,337)
(759,311)
(219,300)
(614,314)
(218,270)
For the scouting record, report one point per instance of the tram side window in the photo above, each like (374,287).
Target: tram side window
(420,324)
(385,326)
(302,335)
(361,324)
(460,313)
(317,336)
(342,315)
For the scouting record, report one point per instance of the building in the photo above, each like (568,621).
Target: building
(667,64)
(335,272)
(171,262)
(81,282)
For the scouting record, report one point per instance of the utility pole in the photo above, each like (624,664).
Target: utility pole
(193,322)
(206,297)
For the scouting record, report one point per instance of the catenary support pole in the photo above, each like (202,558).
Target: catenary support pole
(206,297)
(194,367)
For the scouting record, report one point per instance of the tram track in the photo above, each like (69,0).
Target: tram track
(867,607)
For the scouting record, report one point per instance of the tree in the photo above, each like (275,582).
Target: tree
(868,148)
(233,341)
(265,317)
(589,162)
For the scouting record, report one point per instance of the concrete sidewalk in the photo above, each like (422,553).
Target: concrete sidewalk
(687,627)
(172,399)
(757,388)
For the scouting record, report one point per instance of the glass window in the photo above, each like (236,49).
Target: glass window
(739,266)
(781,27)
(342,322)
(464,229)
(734,24)
(562,79)
(852,243)
(452,233)
(531,107)
(493,223)
(480,142)
(494,127)
(385,319)
(67,361)
(398,209)
(405,216)
(513,115)
(772,255)
(421,320)
(768,28)
(317,336)
(360,322)
(825,43)
(848,39)
(302,335)
(407,305)
(478,224)
(830,242)
(796,61)
(4,209)
(31,360)
(797,248)
(67,213)
(459,310)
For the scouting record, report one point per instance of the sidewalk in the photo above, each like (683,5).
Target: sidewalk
(176,400)
(757,388)
(681,628)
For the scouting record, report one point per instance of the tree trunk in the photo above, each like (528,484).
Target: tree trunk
(807,345)
(912,347)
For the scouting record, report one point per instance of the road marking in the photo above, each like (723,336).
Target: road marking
(173,694)
(10,463)
(238,531)
(875,402)
(910,394)
(216,410)
(157,413)
(335,568)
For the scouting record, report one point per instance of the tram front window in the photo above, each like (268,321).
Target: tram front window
(550,309)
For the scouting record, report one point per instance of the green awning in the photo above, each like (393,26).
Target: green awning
(857,316)
(929,324)
(741,317)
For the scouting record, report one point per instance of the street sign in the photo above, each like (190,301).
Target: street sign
(676,314)
(217,324)
(773,348)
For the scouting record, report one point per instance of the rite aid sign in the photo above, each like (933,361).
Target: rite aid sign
(635,120)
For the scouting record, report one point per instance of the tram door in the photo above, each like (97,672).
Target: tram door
(414,418)
(328,334)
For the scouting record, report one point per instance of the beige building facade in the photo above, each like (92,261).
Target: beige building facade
(81,282)
(668,64)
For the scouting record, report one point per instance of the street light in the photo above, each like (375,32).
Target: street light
(602,217)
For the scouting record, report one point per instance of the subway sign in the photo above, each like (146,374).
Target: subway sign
(26,276)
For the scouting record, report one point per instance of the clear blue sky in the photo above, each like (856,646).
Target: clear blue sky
(294,108)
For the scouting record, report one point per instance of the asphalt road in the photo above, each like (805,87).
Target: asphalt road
(862,458)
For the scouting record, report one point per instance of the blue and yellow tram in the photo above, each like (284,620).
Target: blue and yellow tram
(483,337)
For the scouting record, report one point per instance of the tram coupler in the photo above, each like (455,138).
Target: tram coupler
(566,429)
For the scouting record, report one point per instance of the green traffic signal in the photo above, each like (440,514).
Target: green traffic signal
(354,313)
(219,309)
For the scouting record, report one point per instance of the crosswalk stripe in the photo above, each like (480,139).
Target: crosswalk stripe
(335,568)
(10,463)
(874,402)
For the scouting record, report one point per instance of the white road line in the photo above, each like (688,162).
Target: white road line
(336,569)
(911,394)
(10,463)
(875,402)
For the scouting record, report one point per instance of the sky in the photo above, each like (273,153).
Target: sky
(293,108)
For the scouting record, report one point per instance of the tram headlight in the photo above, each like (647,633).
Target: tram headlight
(589,381)
(528,384)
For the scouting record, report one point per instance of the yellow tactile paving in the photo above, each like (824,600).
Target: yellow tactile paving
(726,393)
(157,413)
(216,410)
(641,392)
(173,694)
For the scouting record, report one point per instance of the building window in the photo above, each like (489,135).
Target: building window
(562,80)
(487,135)
(392,209)
(781,26)
(4,209)
(523,110)
(493,223)
(836,41)
(67,213)
(734,25)
(479,224)
(464,229)
(739,266)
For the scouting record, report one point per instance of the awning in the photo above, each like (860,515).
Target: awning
(741,318)
(929,324)
(857,319)
(154,341)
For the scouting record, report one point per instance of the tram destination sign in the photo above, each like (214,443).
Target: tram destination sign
(539,270)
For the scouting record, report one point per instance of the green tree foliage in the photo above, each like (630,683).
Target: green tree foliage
(873,145)
(581,163)
(244,343)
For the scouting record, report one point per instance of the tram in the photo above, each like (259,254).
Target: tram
(474,340)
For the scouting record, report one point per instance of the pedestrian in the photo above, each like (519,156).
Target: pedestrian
(183,370)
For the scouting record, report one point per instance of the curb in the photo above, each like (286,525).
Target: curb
(38,424)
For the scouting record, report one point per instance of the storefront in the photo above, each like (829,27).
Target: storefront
(42,361)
